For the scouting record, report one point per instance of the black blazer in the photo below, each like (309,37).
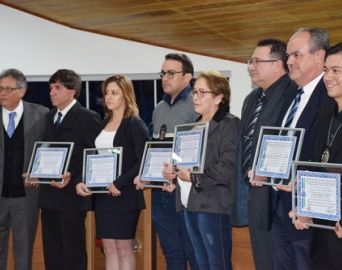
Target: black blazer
(79,126)
(307,120)
(326,239)
(323,123)
(260,197)
(131,135)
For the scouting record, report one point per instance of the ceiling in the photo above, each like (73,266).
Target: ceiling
(225,29)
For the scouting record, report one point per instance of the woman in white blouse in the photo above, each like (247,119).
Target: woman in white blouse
(117,212)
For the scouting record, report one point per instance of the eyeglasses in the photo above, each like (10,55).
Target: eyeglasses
(169,74)
(199,93)
(8,89)
(256,61)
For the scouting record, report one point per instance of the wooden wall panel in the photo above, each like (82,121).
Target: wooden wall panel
(227,29)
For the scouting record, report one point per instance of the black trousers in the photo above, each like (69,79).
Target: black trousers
(64,240)
(326,250)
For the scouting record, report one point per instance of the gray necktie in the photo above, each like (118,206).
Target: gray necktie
(248,139)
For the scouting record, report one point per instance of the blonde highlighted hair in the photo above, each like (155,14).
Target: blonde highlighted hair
(127,89)
(219,84)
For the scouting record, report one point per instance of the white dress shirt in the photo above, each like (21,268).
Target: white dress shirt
(19,110)
(308,90)
(64,111)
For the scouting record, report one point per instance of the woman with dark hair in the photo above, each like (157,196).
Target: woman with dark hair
(207,198)
(117,212)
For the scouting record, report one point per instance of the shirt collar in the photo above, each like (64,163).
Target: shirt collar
(18,110)
(67,108)
(182,95)
(219,114)
(310,87)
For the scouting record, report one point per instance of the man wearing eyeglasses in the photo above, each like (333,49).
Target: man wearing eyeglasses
(268,71)
(22,124)
(175,108)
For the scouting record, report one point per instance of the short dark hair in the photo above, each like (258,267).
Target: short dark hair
(277,49)
(17,75)
(69,78)
(319,38)
(187,65)
(336,49)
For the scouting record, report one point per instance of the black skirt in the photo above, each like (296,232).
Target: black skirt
(116,225)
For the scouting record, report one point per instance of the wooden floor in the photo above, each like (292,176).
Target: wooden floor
(242,257)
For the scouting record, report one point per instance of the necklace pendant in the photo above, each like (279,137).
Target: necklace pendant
(325,155)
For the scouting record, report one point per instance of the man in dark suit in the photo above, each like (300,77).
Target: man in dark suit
(63,211)
(22,124)
(306,50)
(267,69)
(326,246)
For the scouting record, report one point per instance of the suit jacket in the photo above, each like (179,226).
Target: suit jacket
(307,120)
(81,127)
(34,125)
(326,239)
(275,96)
(131,135)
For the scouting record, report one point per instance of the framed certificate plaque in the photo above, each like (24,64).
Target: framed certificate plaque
(156,153)
(49,161)
(316,193)
(190,145)
(276,149)
(101,167)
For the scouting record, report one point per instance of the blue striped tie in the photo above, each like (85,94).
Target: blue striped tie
(59,119)
(248,139)
(11,124)
(294,108)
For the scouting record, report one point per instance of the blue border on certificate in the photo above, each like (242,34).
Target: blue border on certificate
(149,153)
(38,156)
(260,164)
(301,194)
(89,174)
(177,147)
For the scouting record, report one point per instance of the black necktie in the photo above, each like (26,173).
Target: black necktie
(59,119)
(248,138)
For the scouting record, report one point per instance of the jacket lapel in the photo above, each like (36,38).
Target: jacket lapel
(69,117)
(119,136)
(336,146)
(274,101)
(310,111)
(248,110)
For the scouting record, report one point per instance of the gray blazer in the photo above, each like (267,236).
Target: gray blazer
(218,180)
(34,124)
